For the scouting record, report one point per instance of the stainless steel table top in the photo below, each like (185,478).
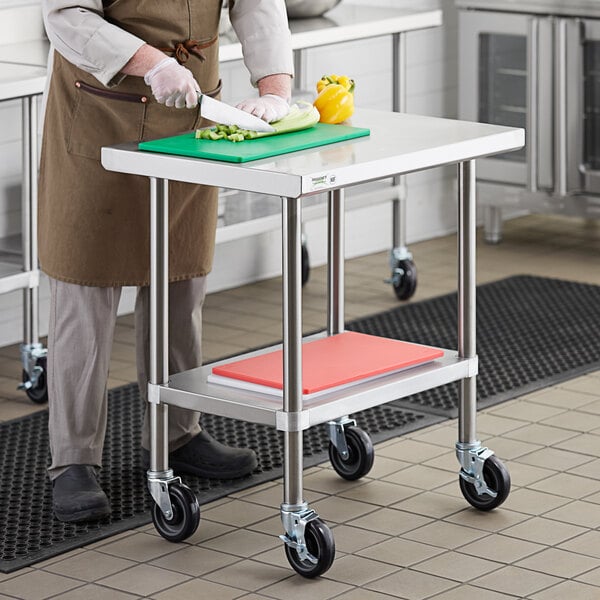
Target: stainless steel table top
(346,22)
(19,81)
(579,8)
(399,143)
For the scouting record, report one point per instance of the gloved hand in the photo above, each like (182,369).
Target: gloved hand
(269,107)
(172,84)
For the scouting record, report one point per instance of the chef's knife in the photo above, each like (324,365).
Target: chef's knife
(224,114)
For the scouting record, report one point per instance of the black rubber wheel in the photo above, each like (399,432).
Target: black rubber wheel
(39,393)
(406,284)
(320,543)
(497,479)
(186,514)
(305,264)
(360,455)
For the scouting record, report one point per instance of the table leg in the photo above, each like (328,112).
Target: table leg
(335,262)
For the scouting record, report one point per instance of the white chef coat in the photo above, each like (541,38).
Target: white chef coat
(81,34)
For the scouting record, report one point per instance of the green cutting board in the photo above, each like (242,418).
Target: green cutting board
(187,145)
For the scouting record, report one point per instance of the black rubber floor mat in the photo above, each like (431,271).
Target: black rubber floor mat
(532,332)
(28,531)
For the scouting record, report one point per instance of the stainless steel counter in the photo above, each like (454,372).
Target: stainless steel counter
(577,8)
(19,81)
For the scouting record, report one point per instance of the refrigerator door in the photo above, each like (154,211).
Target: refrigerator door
(506,79)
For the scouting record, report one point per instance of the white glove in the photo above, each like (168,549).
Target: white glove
(172,84)
(269,107)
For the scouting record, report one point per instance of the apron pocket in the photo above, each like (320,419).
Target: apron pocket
(104,117)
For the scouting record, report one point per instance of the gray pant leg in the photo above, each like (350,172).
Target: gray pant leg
(80,336)
(185,351)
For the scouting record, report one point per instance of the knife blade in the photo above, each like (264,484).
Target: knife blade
(224,114)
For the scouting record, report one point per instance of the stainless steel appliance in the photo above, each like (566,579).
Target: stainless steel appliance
(534,64)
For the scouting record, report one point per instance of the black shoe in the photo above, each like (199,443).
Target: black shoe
(204,456)
(77,496)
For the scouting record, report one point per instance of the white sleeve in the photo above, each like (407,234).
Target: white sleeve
(81,34)
(263,30)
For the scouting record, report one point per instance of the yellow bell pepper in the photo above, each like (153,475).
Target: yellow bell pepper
(329,79)
(335,103)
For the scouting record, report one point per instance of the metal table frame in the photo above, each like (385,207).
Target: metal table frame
(191,389)
(27,87)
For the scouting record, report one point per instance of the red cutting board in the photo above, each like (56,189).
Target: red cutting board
(273,145)
(332,361)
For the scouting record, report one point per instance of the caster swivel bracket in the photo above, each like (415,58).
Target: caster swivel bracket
(338,436)
(158,485)
(295,519)
(472,458)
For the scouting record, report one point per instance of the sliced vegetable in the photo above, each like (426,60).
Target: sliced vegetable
(302,115)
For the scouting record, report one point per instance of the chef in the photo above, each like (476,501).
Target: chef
(126,70)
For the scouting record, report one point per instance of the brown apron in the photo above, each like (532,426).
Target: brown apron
(94,224)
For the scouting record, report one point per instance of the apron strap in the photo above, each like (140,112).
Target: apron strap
(182,50)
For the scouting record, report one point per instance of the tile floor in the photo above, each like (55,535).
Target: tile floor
(404,531)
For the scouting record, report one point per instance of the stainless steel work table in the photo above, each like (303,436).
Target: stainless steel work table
(398,144)
(26,83)
(347,23)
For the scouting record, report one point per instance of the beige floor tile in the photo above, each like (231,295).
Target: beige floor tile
(584,385)
(143,580)
(587,543)
(327,481)
(540,434)
(543,531)
(554,458)
(495,425)
(244,543)
(277,557)
(89,565)
(196,589)
(401,552)
(249,575)
(501,548)
(138,547)
(238,513)
(578,512)
(273,495)
(358,570)
(195,561)
(570,486)
(588,469)
(561,563)
(533,502)
(522,475)
(493,521)
(441,436)
(432,504)
(422,477)
(575,420)
(445,462)
(340,510)
(390,521)
(349,539)
(299,588)
(381,493)
(585,443)
(411,585)
(411,451)
(444,535)
(466,592)
(561,398)
(454,565)
(591,577)
(360,594)
(527,411)
(592,408)
(568,589)
(516,581)
(383,466)
(510,449)
(37,585)
(93,592)
(208,530)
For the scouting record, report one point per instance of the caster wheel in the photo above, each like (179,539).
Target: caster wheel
(406,284)
(360,455)
(320,544)
(496,477)
(305,264)
(186,514)
(39,393)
